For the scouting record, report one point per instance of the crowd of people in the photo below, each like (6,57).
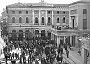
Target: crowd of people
(35,51)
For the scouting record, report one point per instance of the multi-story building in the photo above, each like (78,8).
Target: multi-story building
(25,19)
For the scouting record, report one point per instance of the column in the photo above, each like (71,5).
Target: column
(76,41)
(46,17)
(89,58)
(51,36)
(57,41)
(39,17)
(52,17)
(84,55)
(71,40)
(33,17)
(64,39)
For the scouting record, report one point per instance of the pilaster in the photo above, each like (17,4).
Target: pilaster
(39,17)
(33,17)
(46,17)
(52,17)
(71,40)
(84,56)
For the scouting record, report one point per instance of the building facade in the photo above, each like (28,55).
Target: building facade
(35,18)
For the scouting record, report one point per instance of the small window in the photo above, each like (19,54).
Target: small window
(48,12)
(26,12)
(64,12)
(13,12)
(57,12)
(20,12)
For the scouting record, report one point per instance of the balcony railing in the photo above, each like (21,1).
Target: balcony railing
(49,24)
(42,23)
(36,24)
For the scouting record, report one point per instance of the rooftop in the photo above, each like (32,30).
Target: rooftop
(40,4)
(87,2)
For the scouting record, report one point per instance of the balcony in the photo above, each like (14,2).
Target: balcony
(49,24)
(42,23)
(36,23)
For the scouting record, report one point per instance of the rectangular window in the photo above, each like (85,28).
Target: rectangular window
(57,12)
(84,11)
(20,12)
(48,12)
(26,12)
(13,12)
(63,12)
(84,24)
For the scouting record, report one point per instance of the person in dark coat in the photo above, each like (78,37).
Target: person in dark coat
(67,52)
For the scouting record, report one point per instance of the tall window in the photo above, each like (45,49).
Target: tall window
(49,19)
(84,11)
(13,20)
(84,24)
(36,20)
(20,20)
(84,18)
(42,19)
(27,20)
(63,19)
(57,20)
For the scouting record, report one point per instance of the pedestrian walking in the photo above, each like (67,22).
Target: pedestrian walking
(67,53)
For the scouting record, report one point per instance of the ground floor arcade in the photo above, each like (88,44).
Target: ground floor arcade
(65,38)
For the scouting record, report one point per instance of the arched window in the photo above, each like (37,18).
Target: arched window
(57,20)
(49,19)
(20,20)
(63,19)
(13,31)
(42,19)
(13,20)
(36,20)
(27,20)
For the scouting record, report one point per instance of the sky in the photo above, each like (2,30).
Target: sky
(4,3)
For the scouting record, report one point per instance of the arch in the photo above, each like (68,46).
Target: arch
(20,36)
(57,20)
(63,19)
(13,19)
(27,20)
(13,31)
(49,34)
(14,35)
(36,31)
(36,20)
(42,19)
(49,19)
(20,20)
(42,33)
(27,35)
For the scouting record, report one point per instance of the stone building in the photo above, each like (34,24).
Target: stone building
(25,19)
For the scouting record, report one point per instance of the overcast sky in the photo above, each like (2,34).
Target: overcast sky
(4,3)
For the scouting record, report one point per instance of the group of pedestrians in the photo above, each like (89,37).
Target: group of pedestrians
(35,51)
